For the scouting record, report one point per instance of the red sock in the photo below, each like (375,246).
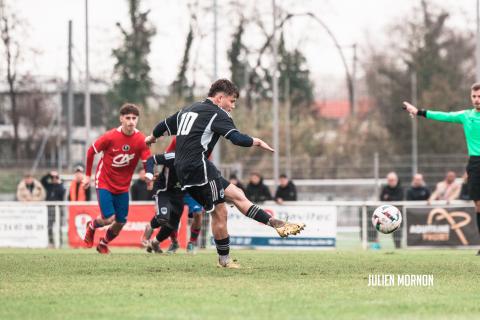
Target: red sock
(174,235)
(194,235)
(110,235)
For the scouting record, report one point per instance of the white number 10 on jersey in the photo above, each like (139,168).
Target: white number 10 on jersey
(186,123)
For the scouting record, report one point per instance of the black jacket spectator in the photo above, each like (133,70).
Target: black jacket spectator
(418,193)
(55,191)
(139,191)
(257,191)
(392,194)
(287,192)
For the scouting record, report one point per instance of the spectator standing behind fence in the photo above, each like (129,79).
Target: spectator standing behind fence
(448,189)
(78,191)
(55,191)
(139,190)
(257,191)
(393,191)
(30,189)
(418,190)
(286,190)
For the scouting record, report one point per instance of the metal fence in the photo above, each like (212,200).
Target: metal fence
(354,228)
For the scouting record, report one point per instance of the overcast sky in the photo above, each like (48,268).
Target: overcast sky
(352,21)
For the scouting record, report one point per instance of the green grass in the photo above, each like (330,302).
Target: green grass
(80,284)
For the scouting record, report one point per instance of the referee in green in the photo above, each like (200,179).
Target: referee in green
(470,119)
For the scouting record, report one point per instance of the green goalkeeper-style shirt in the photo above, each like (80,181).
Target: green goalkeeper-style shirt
(471,126)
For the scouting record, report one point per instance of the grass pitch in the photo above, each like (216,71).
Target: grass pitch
(130,284)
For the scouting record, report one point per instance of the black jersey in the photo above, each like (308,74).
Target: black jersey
(198,128)
(167,179)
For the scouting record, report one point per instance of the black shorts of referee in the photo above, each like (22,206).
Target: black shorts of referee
(473,171)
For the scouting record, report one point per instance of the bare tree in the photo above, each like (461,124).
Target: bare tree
(8,25)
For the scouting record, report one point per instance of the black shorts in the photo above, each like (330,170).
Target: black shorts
(168,208)
(473,171)
(209,194)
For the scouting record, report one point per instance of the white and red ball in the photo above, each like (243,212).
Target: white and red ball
(386,219)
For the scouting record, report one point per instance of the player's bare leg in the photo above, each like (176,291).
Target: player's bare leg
(220,235)
(195,229)
(98,222)
(147,234)
(245,206)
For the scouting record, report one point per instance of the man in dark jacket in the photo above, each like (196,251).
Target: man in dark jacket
(418,190)
(55,191)
(393,191)
(257,191)
(286,190)
(53,186)
(139,190)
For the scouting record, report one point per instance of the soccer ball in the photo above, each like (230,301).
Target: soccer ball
(386,219)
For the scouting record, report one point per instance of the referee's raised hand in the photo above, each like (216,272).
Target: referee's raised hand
(262,144)
(410,108)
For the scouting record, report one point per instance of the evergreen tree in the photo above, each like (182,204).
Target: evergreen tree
(132,81)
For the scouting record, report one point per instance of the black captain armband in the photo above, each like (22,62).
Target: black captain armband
(422,113)
(240,139)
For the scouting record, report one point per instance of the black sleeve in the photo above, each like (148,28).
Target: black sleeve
(294,191)
(277,193)
(168,125)
(223,124)
(160,159)
(240,139)
(422,113)
(150,165)
(87,194)
(266,191)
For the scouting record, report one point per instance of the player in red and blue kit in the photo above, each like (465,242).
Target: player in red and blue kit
(122,148)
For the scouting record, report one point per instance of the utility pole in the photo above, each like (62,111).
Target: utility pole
(275,97)
(414,125)
(217,151)
(354,82)
(70,100)
(477,48)
(87,83)
(288,138)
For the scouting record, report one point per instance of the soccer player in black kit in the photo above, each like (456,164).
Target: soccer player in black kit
(198,128)
(168,200)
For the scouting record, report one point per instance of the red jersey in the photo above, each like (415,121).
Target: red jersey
(120,158)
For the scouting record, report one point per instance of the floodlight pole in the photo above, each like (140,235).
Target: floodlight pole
(276,161)
(70,100)
(87,83)
(217,151)
(414,125)
(477,48)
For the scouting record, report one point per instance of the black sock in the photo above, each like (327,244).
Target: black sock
(223,246)
(478,221)
(256,213)
(164,233)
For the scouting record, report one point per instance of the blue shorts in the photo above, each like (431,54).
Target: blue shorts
(113,204)
(193,206)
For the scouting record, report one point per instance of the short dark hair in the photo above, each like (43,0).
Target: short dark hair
(283,175)
(129,108)
(475,86)
(224,85)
